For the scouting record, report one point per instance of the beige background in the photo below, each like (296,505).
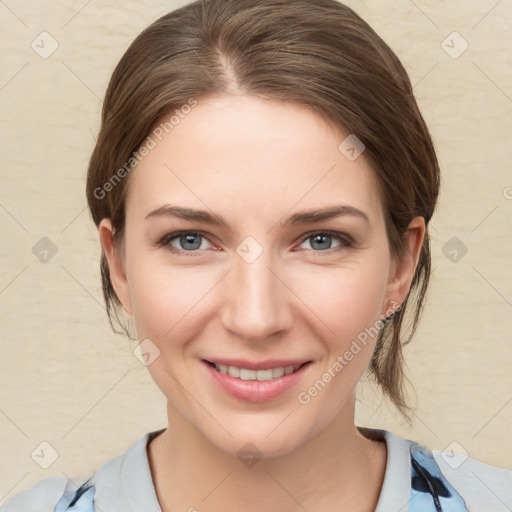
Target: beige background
(68,380)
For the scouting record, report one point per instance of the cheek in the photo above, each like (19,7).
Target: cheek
(165,298)
(170,307)
(345,300)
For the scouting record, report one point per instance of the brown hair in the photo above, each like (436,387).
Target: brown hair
(320,55)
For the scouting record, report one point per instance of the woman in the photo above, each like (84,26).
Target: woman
(262,186)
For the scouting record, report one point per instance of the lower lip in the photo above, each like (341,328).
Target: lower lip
(256,390)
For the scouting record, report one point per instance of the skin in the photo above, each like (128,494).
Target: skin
(256,162)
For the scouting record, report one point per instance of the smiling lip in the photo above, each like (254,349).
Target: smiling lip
(256,390)
(263,365)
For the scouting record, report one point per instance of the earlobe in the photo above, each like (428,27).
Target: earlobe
(115,264)
(402,271)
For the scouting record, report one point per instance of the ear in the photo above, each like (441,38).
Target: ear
(402,271)
(115,264)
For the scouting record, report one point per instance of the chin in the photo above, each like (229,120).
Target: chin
(249,449)
(261,438)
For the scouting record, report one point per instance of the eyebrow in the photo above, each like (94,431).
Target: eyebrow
(305,217)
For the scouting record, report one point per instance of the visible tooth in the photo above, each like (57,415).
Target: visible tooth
(246,374)
(234,371)
(288,370)
(278,372)
(264,374)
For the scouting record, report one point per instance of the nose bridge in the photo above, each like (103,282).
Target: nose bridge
(255,305)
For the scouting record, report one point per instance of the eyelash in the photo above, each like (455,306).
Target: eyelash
(345,240)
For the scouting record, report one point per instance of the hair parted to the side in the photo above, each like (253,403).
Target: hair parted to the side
(320,55)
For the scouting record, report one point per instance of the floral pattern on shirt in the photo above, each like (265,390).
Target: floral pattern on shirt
(430,491)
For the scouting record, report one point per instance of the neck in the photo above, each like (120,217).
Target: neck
(338,467)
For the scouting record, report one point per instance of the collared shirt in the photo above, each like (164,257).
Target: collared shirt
(416,480)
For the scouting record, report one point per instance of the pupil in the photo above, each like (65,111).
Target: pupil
(190,239)
(326,245)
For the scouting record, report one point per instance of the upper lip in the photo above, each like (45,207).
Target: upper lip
(261,365)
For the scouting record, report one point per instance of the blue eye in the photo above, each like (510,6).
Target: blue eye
(192,241)
(189,241)
(322,241)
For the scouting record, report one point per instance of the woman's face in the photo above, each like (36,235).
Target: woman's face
(270,286)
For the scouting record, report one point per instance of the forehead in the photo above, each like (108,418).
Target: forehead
(242,152)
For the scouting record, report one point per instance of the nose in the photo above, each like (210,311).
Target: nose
(256,300)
